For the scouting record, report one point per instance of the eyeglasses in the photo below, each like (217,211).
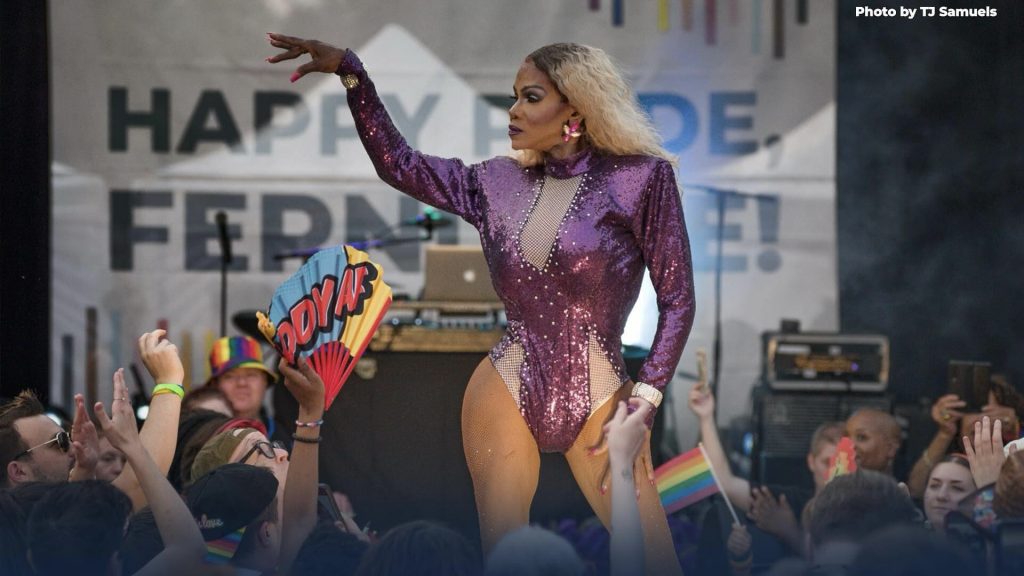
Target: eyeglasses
(266,449)
(62,439)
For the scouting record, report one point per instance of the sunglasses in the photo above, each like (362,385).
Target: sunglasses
(266,449)
(62,439)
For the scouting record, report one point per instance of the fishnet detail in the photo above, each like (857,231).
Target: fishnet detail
(604,382)
(508,367)
(538,235)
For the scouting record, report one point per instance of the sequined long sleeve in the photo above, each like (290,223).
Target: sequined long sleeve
(445,183)
(666,250)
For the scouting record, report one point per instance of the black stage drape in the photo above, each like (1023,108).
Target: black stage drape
(930,179)
(25,198)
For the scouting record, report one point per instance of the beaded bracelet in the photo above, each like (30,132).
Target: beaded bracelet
(177,389)
(313,424)
(305,440)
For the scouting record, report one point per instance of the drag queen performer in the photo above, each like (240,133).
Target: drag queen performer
(567,225)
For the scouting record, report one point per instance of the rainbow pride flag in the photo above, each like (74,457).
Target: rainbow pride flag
(685,479)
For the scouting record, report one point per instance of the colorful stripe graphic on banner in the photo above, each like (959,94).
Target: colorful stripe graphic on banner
(710,22)
(685,479)
(712,10)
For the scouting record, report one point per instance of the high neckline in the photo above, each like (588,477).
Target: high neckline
(569,166)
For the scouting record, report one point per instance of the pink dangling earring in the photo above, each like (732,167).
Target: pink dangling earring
(571,129)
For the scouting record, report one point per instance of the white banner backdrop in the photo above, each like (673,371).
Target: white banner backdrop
(165,113)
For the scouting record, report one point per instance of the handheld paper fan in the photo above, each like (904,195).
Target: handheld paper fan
(327,312)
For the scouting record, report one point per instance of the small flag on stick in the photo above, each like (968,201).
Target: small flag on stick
(686,479)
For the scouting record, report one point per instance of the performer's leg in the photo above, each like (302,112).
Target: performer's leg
(501,453)
(659,551)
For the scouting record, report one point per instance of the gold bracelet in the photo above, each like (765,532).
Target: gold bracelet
(350,81)
(648,392)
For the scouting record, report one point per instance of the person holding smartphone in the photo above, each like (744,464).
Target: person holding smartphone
(955,418)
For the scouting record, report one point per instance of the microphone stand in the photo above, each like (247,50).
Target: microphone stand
(721,195)
(225,260)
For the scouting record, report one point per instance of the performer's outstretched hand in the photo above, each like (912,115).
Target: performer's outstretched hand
(326,58)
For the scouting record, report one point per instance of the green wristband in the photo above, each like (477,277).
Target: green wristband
(169,389)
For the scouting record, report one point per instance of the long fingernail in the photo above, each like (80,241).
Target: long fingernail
(604,490)
(637,494)
(295,76)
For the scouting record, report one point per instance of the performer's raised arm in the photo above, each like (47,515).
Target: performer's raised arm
(445,183)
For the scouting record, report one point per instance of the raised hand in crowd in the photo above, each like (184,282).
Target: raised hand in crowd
(776,517)
(738,547)
(626,433)
(1006,415)
(183,544)
(85,443)
(120,427)
(986,453)
(160,432)
(602,446)
(300,492)
(160,356)
(325,58)
(946,415)
(702,404)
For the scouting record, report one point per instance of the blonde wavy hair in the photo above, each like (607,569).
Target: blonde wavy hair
(613,120)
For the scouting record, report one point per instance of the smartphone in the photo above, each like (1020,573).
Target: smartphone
(326,506)
(970,381)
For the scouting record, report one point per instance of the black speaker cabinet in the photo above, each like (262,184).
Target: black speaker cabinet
(784,423)
(392,440)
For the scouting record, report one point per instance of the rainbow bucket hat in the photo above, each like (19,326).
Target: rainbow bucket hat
(233,352)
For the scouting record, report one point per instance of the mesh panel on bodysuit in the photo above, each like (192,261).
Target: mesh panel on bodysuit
(538,235)
(508,367)
(603,379)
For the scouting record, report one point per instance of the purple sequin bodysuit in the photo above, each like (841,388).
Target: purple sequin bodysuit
(566,244)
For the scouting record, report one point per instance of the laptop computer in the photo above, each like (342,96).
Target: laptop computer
(457,273)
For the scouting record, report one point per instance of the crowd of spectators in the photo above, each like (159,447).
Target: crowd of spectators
(211,485)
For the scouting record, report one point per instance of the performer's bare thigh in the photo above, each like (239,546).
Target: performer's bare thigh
(501,453)
(659,550)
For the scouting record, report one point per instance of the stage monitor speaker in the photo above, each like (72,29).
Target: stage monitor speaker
(391,441)
(784,423)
